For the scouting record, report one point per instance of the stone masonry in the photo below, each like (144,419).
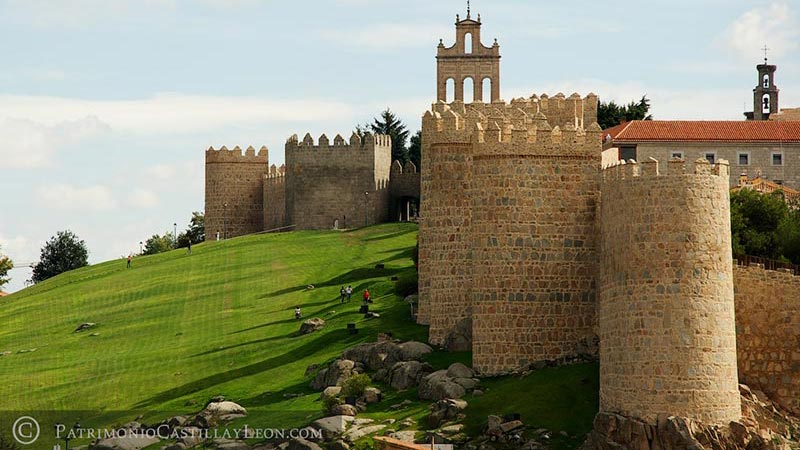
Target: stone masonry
(234,191)
(337,184)
(666,309)
(322,186)
(768,332)
(508,232)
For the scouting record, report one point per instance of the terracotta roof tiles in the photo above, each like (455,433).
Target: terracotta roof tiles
(707,130)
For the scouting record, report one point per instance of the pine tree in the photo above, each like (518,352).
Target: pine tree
(610,114)
(62,253)
(388,123)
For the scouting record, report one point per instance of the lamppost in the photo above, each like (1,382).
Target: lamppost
(224,221)
(366,215)
(140,247)
(60,427)
(175,235)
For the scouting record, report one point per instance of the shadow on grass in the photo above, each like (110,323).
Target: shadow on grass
(346,278)
(242,344)
(334,337)
(389,236)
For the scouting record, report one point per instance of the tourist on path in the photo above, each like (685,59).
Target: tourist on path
(342,294)
(349,292)
(189,248)
(297,313)
(366,297)
(129,260)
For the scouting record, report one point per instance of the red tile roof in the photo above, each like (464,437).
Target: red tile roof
(707,131)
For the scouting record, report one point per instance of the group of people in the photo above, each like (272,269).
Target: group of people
(344,293)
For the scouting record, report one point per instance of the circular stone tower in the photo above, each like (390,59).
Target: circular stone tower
(666,310)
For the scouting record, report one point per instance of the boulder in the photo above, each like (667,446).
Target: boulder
(344,410)
(458,370)
(334,375)
(511,426)
(331,392)
(356,433)
(85,326)
(191,436)
(302,444)
(372,395)
(125,443)
(376,355)
(414,351)
(224,408)
(333,426)
(467,383)
(311,325)
(446,410)
(407,374)
(438,386)
(405,436)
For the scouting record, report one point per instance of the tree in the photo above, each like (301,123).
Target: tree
(5,266)
(62,253)
(759,224)
(388,123)
(415,149)
(159,244)
(196,233)
(610,114)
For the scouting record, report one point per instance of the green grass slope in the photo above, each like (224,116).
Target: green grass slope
(178,329)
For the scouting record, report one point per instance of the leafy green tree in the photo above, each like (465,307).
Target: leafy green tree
(196,233)
(610,114)
(756,222)
(388,123)
(62,253)
(5,266)
(415,149)
(159,244)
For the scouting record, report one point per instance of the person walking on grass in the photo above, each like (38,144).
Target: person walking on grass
(342,293)
(297,313)
(130,256)
(189,248)
(366,296)
(349,292)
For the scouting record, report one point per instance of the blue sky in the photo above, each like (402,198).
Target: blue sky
(106,106)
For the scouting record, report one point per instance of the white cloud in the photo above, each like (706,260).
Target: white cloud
(67,197)
(172,113)
(383,36)
(32,144)
(79,13)
(143,198)
(777,26)
(161,171)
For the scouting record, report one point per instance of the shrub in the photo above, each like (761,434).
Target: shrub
(355,385)
(329,402)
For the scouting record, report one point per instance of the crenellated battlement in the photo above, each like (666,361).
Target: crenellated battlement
(368,141)
(276,172)
(675,168)
(236,155)
(503,128)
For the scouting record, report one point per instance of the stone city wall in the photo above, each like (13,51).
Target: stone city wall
(326,183)
(275,198)
(768,333)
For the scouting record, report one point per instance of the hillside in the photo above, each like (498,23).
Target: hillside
(177,329)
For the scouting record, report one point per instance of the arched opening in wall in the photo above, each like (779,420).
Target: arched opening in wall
(765,104)
(766,81)
(450,90)
(468,43)
(469,90)
(487,90)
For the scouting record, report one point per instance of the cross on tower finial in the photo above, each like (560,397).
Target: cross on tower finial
(468,9)
(766,49)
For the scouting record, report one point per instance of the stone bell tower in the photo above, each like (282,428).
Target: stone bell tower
(468,59)
(765,95)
